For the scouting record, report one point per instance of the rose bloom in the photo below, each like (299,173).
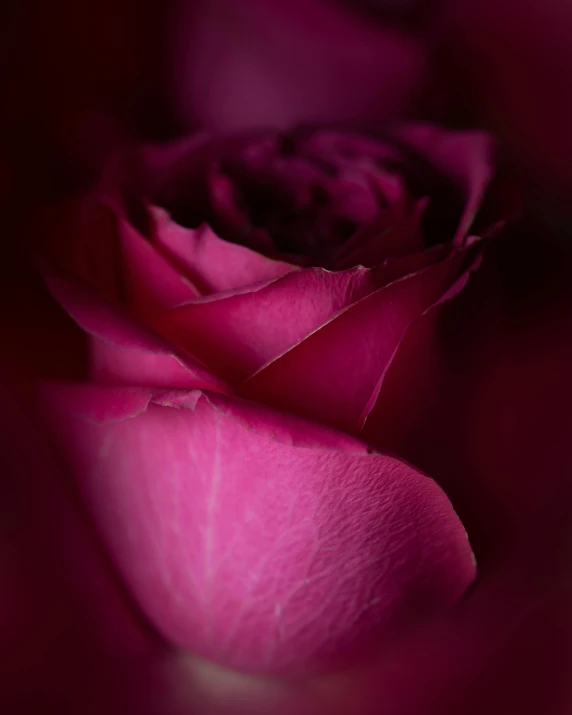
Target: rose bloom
(275,326)
(250,304)
(486,413)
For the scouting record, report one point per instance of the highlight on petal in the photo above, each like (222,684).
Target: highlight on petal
(111,365)
(330,375)
(216,265)
(237,333)
(252,552)
(466,157)
(297,433)
(124,351)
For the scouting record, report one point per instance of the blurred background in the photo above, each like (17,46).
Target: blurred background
(75,77)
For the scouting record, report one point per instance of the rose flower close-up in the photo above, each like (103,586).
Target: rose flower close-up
(287,329)
(245,315)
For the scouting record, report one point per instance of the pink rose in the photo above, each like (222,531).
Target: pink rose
(245,300)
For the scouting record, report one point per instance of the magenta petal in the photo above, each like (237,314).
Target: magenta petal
(297,433)
(395,268)
(237,333)
(96,403)
(122,350)
(393,408)
(394,234)
(330,376)
(348,144)
(152,283)
(112,365)
(253,552)
(466,157)
(215,264)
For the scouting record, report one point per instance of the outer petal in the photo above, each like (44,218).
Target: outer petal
(249,550)
(123,351)
(237,333)
(216,265)
(330,376)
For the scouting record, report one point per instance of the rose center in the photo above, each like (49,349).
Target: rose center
(319,198)
(308,210)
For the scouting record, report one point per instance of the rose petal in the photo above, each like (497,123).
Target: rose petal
(254,553)
(466,157)
(152,283)
(215,264)
(236,334)
(396,233)
(101,404)
(347,147)
(330,376)
(112,365)
(391,410)
(125,352)
(297,433)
